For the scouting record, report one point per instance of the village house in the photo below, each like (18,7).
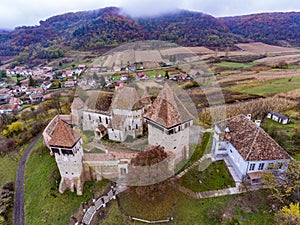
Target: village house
(248,148)
(4,98)
(70,83)
(279,118)
(37,97)
(9,108)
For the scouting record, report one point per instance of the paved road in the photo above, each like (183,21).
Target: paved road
(19,185)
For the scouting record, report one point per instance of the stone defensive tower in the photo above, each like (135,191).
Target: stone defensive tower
(66,145)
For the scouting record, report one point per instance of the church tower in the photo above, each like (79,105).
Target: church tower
(168,124)
(66,145)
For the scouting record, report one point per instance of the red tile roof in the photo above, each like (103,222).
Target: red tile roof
(167,109)
(251,141)
(64,135)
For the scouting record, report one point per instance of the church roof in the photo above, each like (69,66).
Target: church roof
(167,109)
(251,141)
(126,98)
(64,135)
(77,103)
(100,101)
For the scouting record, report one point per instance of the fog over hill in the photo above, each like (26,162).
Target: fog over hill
(110,27)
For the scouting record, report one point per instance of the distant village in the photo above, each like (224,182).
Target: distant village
(32,85)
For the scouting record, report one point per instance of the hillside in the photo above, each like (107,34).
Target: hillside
(271,28)
(108,27)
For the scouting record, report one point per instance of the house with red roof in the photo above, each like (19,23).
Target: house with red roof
(248,148)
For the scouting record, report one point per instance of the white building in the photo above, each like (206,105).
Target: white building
(278,117)
(250,150)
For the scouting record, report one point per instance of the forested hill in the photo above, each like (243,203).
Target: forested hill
(107,27)
(271,28)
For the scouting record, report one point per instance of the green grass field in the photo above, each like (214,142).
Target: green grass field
(43,203)
(268,88)
(235,65)
(199,150)
(246,209)
(9,164)
(215,177)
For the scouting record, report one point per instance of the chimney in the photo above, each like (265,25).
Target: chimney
(257,122)
(249,116)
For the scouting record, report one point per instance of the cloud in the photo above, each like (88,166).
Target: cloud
(30,12)
(147,8)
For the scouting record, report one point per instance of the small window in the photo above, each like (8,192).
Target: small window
(106,120)
(261,166)
(100,120)
(230,150)
(55,150)
(252,167)
(90,117)
(136,126)
(271,166)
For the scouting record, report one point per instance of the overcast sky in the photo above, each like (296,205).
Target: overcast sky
(30,12)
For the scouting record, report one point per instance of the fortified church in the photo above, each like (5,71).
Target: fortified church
(119,115)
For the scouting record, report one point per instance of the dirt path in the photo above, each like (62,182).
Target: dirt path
(19,185)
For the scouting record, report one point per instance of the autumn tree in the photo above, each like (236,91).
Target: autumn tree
(287,189)
(148,172)
(288,215)
(32,82)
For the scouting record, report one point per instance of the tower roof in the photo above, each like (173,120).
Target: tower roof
(63,135)
(167,109)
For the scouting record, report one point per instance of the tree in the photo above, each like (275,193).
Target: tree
(148,172)
(16,127)
(32,82)
(288,215)
(18,83)
(286,190)
(3,73)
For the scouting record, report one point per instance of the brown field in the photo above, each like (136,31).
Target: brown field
(152,55)
(118,58)
(201,50)
(244,77)
(261,48)
(258,108)
(290,59)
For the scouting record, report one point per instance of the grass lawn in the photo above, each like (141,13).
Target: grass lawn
(246,209)
(153,73)
(8,167)
(216,176)
(43,203)
(268,88)
(199,150)
(234,64)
